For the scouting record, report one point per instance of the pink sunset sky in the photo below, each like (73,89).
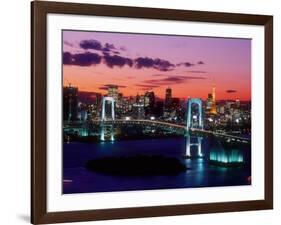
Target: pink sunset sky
(138,63)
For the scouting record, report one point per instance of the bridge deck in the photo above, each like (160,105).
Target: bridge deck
(166,124)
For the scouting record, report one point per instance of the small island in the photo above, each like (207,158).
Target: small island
(139,165)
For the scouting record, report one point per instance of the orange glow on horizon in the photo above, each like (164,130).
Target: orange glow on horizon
(89,80)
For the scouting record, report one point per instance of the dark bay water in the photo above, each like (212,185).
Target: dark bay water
(77,179)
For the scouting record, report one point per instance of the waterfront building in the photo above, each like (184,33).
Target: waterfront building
(149,101)
(209,102)
(138,110)
(70,103)
(168,97)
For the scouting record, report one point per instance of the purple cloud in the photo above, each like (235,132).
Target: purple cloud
(81,59)
(108,48)
(68,43)
(123,48)
(106,86)
(91,44)
(146,87)
(159,64)
(186,64)
(67,58)
(98,46)
(173,79)
(163,65)
(111,57)
(119,86)
(144,62)
(159,75)
(230,91)
(196,71)
(117,60)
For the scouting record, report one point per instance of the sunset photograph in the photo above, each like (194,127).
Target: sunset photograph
(154,111)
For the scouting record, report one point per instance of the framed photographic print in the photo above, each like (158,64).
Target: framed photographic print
(142,112)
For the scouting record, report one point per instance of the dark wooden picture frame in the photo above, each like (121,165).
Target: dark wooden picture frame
(40,9)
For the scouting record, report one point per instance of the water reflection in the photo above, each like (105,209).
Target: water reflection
(201,171)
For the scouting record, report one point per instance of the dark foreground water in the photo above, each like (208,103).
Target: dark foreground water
(200,173)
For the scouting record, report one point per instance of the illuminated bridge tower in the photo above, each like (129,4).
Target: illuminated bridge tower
(105,128)
(104,100)
(189,120)
(190,124)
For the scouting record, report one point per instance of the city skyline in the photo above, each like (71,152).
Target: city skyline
(94,60)
(144,112)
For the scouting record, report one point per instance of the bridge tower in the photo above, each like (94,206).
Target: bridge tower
(104,100)
(103,126)
(189,121)
(189,124)
(198,143)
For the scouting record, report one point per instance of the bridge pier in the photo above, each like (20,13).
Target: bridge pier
(189,144)
(103,131)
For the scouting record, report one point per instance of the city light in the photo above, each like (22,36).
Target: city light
(128,99)
(191,114)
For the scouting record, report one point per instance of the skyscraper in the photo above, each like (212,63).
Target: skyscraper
(209,102)
(149,101)
(113,91)
(70,103)
(168,98)
(98,99)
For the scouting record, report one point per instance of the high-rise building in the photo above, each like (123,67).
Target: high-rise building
(221,109)
(70,103)
(113,91)
(237,103)
(175,104)
(149,98)
(168,97)
(138,110)
(209,102)
(149,101)
(168,103)
(159,108)
(98,99)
